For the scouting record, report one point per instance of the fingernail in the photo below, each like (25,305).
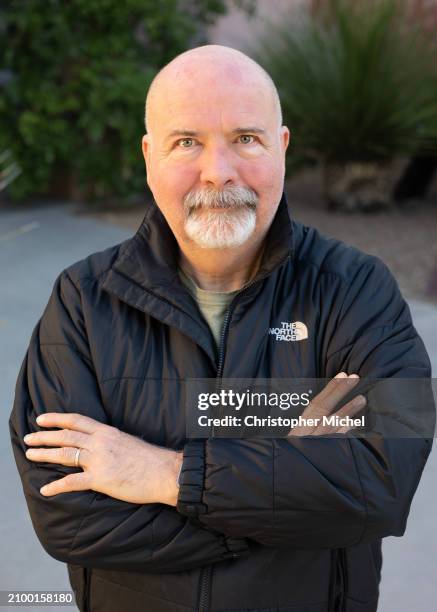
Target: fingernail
(27,437)
(341,375)
(43,490)
(353,376)
(40,418)
(359,401)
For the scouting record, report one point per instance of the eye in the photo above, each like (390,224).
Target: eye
(245,139)
(185,143)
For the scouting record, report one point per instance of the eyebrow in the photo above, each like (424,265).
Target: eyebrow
(194,133)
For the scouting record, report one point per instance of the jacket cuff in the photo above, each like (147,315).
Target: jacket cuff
(191,479)
(189,503)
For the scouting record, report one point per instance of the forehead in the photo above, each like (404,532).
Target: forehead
(222,101)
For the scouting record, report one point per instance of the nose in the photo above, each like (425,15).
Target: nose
(217,167)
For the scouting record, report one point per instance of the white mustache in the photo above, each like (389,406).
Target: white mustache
(232,197)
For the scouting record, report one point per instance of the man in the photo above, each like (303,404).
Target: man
(146,518)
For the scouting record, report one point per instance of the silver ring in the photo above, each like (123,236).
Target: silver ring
(76,457)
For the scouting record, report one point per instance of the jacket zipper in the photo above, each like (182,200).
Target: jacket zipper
(339,586)
(205,584)
(222,343)
(206,573)
(343,579)
(87,584)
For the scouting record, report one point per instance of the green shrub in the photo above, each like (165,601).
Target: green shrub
(357,81)
(74,108)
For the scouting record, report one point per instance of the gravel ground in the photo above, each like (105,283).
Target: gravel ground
(405,239)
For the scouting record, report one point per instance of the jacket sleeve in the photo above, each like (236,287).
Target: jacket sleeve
(317,492)
(88,528)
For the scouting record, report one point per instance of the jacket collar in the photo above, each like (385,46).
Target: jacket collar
(145,276)
(150,257)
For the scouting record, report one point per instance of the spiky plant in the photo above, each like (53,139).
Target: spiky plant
(357,80)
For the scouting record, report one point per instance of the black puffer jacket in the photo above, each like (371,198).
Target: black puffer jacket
(261,524)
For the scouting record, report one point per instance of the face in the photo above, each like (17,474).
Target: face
(215,156)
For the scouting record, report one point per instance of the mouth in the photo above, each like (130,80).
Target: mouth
(225,207)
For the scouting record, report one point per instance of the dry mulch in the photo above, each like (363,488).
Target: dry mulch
(404,238)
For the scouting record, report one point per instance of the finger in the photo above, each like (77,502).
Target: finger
(62,456)
(331,384)
(302,430)
(69,420)
(318,409)
(79,481)
(335,390)
(350,409)
(343,430)
(338,387)
(61,437)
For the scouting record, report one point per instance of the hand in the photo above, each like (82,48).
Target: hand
(324,403)
(113,462)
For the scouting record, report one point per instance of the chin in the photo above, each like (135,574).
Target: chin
(219,231)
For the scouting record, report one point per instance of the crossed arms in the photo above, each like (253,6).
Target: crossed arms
(119,513)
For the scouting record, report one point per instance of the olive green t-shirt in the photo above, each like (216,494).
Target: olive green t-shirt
(212,304)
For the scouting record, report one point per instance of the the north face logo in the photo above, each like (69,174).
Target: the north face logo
(290,332)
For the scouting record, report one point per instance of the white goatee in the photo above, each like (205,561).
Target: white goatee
(220,219)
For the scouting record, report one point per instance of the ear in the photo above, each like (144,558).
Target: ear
(145,145)
(285,137)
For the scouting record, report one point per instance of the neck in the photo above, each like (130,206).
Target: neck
(221,269)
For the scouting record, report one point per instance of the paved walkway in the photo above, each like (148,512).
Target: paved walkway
(35,245)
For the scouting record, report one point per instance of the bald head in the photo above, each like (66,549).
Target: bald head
(215,151)
(215,64)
